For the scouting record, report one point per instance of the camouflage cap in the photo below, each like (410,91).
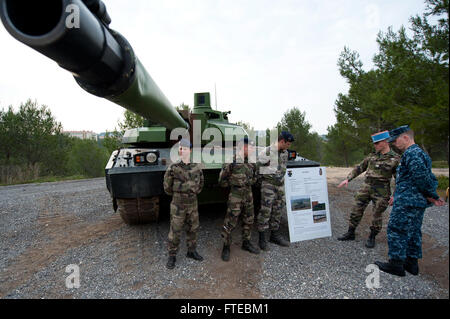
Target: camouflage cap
(396,132)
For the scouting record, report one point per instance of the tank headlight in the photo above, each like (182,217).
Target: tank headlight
(151,157)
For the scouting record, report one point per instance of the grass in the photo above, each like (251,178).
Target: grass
(439,164)
(442,182)
(46,179)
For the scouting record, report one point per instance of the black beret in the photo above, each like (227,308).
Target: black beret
(288,137)
(396,132)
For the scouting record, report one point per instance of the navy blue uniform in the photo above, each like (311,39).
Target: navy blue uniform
(414,183)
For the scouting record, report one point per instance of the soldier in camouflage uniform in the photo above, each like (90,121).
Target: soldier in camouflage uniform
(379,166)
(240,176)
(415,191)
(273,202)
(183,180)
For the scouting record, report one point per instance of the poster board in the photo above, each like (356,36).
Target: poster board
(307,204)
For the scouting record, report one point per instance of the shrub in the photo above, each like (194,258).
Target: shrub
(442,182)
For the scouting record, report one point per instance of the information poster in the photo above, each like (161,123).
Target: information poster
(308,210)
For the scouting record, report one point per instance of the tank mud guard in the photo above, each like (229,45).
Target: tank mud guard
(137,211)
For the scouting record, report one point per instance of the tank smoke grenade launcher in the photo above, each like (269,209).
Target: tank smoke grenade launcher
(76,35)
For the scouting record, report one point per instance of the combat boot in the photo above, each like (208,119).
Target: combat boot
(349,235)
(370,243)
(194,255)
(394,267)
(263,241)
(276,238)
(412,266)
(171,262)
(247,245)
(226,253)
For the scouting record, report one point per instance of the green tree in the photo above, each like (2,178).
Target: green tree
(112,141)
(183,107)
(31,137)
(341,147)
(87,158)
(9,138)
(308,144)
(130,120)
(35,127)
(409,84)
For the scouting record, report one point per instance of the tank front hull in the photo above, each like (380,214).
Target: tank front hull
(145,182)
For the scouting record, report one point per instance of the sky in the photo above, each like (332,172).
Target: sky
(264,57)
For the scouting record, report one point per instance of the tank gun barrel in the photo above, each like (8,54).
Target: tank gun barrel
(76,35)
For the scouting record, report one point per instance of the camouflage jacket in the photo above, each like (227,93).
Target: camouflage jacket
(273,174)
(183,178)
(379,167)
(238,174)
(415,181)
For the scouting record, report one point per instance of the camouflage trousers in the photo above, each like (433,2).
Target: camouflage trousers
(183,211)
(240,203)
(404,232)
(379,194)
(273,204)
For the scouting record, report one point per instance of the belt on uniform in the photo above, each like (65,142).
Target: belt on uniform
(184,195)
(241,188)
(376,181)
(273,181)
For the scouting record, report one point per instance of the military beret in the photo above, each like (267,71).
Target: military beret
(396,132)
(185,143)
(380,136)
(288,137)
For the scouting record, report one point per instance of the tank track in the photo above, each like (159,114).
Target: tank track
(139,210)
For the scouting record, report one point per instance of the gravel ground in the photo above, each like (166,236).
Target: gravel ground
(46,227)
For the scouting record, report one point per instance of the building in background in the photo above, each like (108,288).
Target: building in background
(101,136)
(84,135)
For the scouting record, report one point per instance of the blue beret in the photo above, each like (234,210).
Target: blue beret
(380,136)
(288,137)
(185,143)
(396,132)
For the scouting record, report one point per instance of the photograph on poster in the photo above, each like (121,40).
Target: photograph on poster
(316,206)
(320,217)
(301,202)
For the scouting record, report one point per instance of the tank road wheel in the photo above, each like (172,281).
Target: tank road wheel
(139,210)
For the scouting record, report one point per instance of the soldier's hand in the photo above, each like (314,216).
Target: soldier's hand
(343,183)
(391,201)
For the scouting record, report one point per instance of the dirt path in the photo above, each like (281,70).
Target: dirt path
(45,227)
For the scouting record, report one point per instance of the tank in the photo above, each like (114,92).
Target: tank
(76,35)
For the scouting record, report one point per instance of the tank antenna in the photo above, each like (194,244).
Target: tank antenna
(215,94)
